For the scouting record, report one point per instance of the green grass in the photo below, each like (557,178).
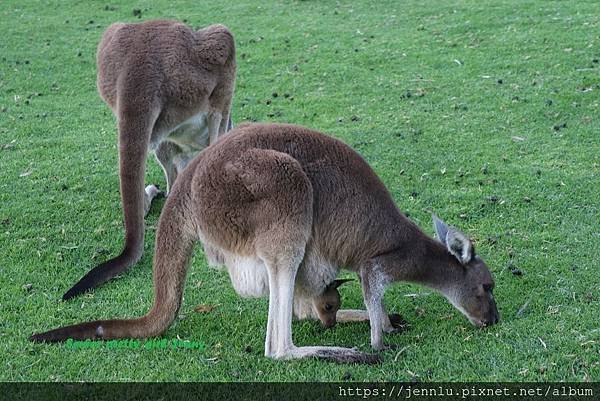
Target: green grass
(460,108)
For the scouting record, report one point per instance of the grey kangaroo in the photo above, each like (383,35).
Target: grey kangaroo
(170,89)
(283,208)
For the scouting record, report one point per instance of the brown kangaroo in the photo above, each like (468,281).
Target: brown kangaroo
(324,306)
(171,90)
(283,208)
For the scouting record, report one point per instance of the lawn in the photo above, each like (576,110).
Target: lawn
(487,113)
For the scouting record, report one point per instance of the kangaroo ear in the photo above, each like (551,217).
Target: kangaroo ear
(441,229)
(456,242)
(459,245)
(337,283)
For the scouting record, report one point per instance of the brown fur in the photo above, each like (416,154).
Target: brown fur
(328,303)
(155,76)
(303,205)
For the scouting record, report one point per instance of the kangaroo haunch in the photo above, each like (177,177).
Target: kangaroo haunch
(283,208)
(171,89)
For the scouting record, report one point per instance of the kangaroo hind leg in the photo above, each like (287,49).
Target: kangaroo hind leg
(166,155)
(283,206)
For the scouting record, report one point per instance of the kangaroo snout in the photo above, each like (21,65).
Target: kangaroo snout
(494,316)
(486,314)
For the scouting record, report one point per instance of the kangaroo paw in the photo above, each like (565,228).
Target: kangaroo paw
(151,192)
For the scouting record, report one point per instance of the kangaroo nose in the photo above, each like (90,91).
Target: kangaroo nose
(328,324)
(494,319)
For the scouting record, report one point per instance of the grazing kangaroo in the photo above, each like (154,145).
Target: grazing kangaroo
(171,90)
(284,208)
(324,307)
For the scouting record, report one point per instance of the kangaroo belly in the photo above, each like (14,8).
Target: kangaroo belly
(190,137)
(192,134)
(248,277)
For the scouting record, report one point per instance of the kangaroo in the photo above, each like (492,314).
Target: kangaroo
(170,89)
(324,306)
(285,208)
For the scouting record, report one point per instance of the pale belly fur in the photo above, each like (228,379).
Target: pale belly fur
(191,136)
(249,276)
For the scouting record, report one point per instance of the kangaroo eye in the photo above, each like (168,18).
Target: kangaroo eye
(328,307)
(488,287)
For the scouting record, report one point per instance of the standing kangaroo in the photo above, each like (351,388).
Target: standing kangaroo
(171,90)
(284,208)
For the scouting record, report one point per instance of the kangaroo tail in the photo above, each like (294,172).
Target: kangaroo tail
(135,127)
(103,273)
(174,245)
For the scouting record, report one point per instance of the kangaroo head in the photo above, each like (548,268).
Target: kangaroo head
(470,290)
(328,303)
